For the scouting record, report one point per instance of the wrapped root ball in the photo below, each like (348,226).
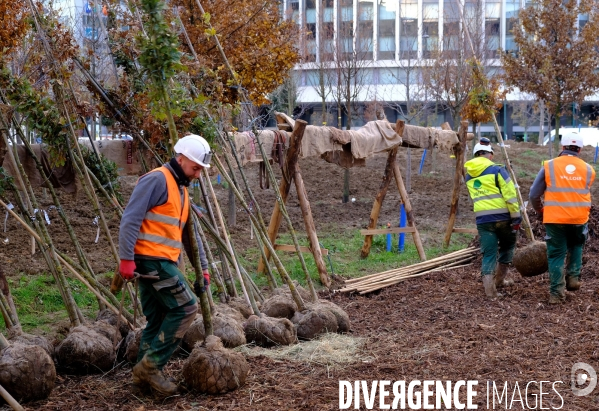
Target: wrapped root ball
(279,306)
(132,345)
(85,351)
(314,321)
(531,260)
(284,290)
(343,322)
(112,319)
(224,326)
(213,369)
(27,372)
(230,311)
(267,331)
(29,339)
(106,329)
(242,306)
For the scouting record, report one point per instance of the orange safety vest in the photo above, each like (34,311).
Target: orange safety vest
(162,227)
(568,193)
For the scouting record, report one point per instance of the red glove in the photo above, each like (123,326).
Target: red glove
(206,278)
(126,268)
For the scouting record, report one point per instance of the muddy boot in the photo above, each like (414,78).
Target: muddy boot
(500,274)
(556,299)
(572,283)
(146,374)
(489,284)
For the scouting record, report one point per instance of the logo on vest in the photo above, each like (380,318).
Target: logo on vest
(477,184)
(571,169)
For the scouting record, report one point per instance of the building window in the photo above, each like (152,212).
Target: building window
(386,43)
(451,29)
(430,27)
(512,7)
(408,29)
(346,26)
(365,29)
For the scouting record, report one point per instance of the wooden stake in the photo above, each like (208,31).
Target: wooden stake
(10,400)
(457,181)
(285,185)
(310,229)
(378,201)
(408,207)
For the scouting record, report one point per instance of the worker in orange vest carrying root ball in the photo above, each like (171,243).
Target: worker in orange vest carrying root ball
(151,238)
(565,183)
(497,215)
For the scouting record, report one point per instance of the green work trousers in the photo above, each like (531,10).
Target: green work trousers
(169,306)
(564,240)
(496,237)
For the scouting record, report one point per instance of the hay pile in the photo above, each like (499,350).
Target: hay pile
(330,350)
(212,369)
(27,372)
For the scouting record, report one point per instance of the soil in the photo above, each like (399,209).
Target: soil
(437,327)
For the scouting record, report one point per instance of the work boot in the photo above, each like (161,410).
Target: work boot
(146,374)
(489,284)
(572,283)
(556,299)
(500,273)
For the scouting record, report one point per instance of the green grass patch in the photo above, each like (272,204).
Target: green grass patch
(39,303)
(344,256)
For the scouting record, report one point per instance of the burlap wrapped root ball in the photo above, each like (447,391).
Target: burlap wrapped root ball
(112,319)
(213,369)
(224,326)
(85,351)
(27,372)
(268,331)
(279,306)
(131,346)
(242,306)
(531,260)
(343,322)
(230,311)
(317,319)
(30,339)
(284,290)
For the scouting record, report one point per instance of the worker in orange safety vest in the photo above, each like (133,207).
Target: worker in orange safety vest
(565,183)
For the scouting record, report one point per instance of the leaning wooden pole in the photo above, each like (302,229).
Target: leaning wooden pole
(459,151)
(284,186)
(310,231)
(409,213)
(192,223)
(526,220)
(378,201)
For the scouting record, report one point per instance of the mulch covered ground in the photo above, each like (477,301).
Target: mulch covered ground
(437,327)
(432,328)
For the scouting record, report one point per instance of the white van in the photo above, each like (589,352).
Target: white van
(590,135)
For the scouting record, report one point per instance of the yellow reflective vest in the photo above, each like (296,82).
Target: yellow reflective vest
(492,191)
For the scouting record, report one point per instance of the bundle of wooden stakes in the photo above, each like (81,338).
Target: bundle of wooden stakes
(374,282)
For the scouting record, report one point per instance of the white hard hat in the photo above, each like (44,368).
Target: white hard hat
(195,148)
(572,139)
(481,147)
